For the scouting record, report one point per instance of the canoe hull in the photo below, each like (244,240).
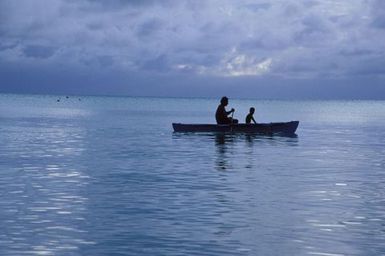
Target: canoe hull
(263,128)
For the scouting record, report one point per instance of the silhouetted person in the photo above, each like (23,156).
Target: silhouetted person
(222,115)
(250,117)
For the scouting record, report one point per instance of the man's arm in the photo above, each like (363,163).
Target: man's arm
(252,118)
(229,112)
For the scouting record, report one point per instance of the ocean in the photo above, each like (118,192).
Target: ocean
(107,176)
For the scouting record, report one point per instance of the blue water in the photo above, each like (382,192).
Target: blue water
(107,176)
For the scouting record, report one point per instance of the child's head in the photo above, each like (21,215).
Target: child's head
(252,110)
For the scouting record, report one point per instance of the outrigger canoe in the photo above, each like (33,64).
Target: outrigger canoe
(286,128)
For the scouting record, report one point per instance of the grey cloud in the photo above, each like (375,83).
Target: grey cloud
(356,52)
(106,60)
(95,26)
(159,63)
(7,45)
(263,44)
(378,11)
(118,5)
(314,23)
(311,3)
(314,28)
(314,31)
(149,27)
(379,22)
(292,9)
(255,44)
(299,38)
(258,6)
(38,51)
(121,3)
(369,66)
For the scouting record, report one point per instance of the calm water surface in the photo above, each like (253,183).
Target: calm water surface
(107,176)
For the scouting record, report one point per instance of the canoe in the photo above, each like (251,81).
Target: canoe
(286,128)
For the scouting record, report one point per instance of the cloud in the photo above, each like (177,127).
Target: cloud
(38,51)
(378,14)
(293,39)
(236,64)
(118,4)
(149,28)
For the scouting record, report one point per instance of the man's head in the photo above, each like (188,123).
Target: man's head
(252,110)
(224,101)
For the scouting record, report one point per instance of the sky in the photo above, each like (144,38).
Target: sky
(277,49)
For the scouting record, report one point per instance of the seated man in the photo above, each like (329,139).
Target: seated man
(250,116)
(222,115)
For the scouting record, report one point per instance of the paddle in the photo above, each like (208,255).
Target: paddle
(231,125)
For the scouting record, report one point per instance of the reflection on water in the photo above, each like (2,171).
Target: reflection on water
(221,143)
(43,200)
(226,143)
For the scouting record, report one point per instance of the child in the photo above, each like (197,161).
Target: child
(250,117)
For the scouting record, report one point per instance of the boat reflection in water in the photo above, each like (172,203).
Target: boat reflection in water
(237,151)
(234,151)
(222,141)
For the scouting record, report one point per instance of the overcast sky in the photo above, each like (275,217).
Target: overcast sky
(246,48)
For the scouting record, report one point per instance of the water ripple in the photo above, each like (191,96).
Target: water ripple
(106,176)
